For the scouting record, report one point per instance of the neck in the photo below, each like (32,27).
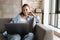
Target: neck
(25,17)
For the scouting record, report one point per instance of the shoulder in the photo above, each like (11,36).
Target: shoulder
(18,16)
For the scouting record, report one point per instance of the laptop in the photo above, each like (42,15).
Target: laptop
(17,28)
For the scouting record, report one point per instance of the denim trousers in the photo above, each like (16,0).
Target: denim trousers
(28,36)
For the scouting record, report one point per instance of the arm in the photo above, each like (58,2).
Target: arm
(15,20)
(5,34)
(32,14)
(36,18)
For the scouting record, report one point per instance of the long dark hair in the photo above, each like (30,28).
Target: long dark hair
(22,7)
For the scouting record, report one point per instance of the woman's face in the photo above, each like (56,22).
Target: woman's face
(26,10)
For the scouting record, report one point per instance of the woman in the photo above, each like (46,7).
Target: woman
(23,17)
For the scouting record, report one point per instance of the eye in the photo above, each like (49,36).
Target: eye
(26,9)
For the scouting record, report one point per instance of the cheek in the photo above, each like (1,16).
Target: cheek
(28,10)
(25,12)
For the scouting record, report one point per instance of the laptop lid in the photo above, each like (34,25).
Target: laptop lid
(17,28)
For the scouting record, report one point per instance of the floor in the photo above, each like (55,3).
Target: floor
(56,37)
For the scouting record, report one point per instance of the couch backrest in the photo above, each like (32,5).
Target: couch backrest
(2,22)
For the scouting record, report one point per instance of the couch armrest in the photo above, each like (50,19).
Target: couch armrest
(39,32)
(2,37)
(49,32)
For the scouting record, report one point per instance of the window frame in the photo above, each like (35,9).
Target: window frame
(57,7)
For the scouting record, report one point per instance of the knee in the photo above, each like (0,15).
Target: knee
(17,36)
(14,37)
(31,34)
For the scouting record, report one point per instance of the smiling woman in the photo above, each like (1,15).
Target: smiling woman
(23,17)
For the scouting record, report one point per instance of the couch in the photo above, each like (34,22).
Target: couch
(40,33)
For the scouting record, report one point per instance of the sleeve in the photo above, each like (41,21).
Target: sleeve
(14,20)
(38,19)
(5,34)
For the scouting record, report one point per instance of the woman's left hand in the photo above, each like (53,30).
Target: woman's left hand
(30,13)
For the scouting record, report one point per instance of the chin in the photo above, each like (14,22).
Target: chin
(25,15)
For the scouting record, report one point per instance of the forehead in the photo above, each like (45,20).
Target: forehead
(26,7)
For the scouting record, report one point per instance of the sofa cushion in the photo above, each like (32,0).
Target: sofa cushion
(2,37)
(2,22)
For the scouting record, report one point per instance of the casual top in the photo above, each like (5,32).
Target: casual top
(20,19)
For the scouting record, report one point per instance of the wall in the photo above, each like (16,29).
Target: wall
(34,3)
(10,8)
(46,11)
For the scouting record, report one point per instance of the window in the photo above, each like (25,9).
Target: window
(58,13)
(58,20)
(54,18)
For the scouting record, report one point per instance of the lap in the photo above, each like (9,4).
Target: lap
(14,37)
(29,36)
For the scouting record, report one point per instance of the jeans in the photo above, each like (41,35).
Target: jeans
(29,36)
